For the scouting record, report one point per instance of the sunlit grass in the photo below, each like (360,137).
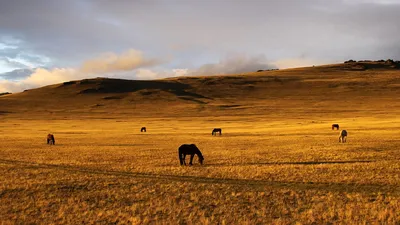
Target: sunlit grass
(257,172)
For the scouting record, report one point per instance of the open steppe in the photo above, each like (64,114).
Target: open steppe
(277,161)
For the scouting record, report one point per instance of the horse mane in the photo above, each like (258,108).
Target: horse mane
(189,149)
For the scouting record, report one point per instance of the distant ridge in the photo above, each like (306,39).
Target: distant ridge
(338,86)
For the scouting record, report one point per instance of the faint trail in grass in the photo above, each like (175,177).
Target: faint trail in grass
(253,184)
(292,163)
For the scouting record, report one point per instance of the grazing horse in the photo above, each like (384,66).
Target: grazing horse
(143,129)
(216,130)
(50,139)
(335,126)
(343,136)
(191,150)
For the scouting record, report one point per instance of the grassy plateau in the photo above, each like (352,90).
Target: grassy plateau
(277,161)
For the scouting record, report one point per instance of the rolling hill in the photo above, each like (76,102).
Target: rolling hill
(339,88)
(277,160)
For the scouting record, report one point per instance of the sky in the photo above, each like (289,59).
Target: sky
(44,42)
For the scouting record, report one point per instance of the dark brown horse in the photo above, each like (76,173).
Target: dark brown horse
(216,130)
(189,149)
(50,139)
(143,129)
(335,126)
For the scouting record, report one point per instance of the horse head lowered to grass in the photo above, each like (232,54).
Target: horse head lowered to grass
(189,149)
(50,139)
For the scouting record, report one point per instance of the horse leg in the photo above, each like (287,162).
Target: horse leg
(180,158)
(340,138)
(191,159)
(184,159)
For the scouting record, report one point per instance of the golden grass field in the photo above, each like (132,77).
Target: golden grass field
(277,162)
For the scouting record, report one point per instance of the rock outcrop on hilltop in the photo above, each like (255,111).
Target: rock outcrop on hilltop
(370,64)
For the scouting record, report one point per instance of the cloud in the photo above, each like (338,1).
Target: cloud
(62,34)
(13,63)
(10,86)
(111,62)
(232,64)
(151,74)
(180,72)
(67,32)
(146,74)
(297,62)
(40,77)
(104,65)
(43,77)
(131,64)
(236,63)
(384,2)
(13,57)
(17,74)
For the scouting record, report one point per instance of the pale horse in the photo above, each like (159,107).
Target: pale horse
(343,136)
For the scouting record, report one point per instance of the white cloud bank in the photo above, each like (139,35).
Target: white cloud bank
(111,62)
(132,64)
(105,64)
(236,63)
(40,77)
(232,64)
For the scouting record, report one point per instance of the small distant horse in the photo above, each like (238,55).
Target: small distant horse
(189,149)
(143,129)
(343,136)
(216,130)
(50,139)
(335,126)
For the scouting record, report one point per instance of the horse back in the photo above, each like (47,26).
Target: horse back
(188,149)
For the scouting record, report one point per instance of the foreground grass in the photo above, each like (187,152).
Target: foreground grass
(258,171)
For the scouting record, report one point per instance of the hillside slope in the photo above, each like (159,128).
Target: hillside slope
(344,88)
